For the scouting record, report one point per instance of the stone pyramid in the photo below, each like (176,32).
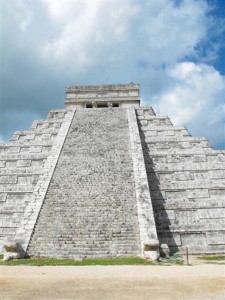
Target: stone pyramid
(105,177)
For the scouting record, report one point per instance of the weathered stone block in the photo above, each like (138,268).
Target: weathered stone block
(212,213)
(2,163)
(3,197)
(193,239)
(216,238)
(23,163)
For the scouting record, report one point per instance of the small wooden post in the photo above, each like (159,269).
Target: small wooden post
(38,259)
(187,256)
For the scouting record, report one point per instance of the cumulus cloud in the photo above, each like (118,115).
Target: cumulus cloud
(21,12)
(152,33)
(195,98)
(196,88)
(26,15)
(168,46)
(90,33)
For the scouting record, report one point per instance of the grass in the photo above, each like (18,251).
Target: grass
(175,259)
(212,257)
(85,262)
(1,256)
(214,263)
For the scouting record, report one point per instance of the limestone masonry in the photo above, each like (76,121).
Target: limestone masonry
(106,178)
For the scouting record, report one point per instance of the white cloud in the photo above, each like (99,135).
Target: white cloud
(89,31)
(153,32)
(197,91)
(19,11)
(151,42)
(26,15)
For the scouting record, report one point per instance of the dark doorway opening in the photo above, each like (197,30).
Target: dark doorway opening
(89,106)
(100,105)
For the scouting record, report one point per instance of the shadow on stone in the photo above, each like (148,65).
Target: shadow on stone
(162,220)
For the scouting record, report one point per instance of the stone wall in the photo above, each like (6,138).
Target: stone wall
(22,161)
(90,209)
(187,184)
(127,95)
(77,182)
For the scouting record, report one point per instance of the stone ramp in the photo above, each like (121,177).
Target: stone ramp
(187,184)
(22,161)
(90,209)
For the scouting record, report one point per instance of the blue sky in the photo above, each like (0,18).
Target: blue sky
(174,49)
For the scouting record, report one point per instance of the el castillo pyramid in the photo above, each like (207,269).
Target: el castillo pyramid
(105,177)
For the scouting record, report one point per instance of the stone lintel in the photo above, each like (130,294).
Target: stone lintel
(104,87)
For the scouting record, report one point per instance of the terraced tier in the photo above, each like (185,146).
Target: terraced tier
(187,184)
(22,162)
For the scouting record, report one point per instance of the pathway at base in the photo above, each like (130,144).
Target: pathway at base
(112,282)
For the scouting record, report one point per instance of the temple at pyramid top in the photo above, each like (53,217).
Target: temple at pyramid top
(99,96)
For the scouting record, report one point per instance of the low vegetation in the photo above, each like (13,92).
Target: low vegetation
(213,257)
(85,262)
(175,259)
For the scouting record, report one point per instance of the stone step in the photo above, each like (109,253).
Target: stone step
(207,224)
(197,144)
(10,218)
(96,201)
(180,152)
(19,188)
(27,137)
(186,175)
(162,128)
(191,203)
(170,139)
(173,135)
(25,149)
(56,114)
(30,144)
(178,167)
(21,171)
(182,159)
(146,111)
(154,121)
(20,179)
(167,141)
(14,197)
(23,156)
(48,123)
(189,184)
(154,117)
(37,131)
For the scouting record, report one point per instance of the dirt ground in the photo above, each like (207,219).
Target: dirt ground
(112,282)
